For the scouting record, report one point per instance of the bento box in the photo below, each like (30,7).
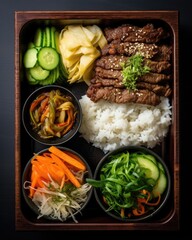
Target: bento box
(92,217)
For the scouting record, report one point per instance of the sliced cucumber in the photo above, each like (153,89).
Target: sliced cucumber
(44,39)
(151,169)
(49,80)
(48,58)
(38,73)
(30,79)
(161,185)
(30,58)
(57,42)
(38,39)
(48,36)
(53,44)
(151,157)
(161,167)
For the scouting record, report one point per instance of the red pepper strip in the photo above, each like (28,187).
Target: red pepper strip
(70,121)
(44,104)
(146,200)
(36,102)
(43,116)
(153,203)
(140,210)
(62,124)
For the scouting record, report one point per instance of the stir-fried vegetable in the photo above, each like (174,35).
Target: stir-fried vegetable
(127,181)
(52,114)
(56,186)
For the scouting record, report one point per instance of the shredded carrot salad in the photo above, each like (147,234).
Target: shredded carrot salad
(57,185)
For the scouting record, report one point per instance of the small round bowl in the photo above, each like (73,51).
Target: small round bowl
(66,188)
(52,138)
(163,182)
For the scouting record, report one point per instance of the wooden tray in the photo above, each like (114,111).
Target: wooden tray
(93,217)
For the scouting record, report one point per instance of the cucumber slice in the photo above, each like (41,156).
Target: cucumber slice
(48,58)
(161,185)
(30,79)
(57,42)
(38,73)
(49,80)
(150,157)
(53,44)
(44,39)
(30,58)
(48,36)
(151,169)
(161,167)
(38,39)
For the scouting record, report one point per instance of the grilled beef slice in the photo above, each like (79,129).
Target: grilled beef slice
(151,51)
(115,61)
(129,49)
(116,74)
(106,82)
(164,53)
(130,33)
(160,90)
(119,95)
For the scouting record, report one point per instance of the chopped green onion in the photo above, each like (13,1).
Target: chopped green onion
(132,70)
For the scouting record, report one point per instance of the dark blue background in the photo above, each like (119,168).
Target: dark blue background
(7,168)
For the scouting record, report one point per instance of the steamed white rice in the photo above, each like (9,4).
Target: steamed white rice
(110,125)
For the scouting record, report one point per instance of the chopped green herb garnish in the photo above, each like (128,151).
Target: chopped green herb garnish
(132,69)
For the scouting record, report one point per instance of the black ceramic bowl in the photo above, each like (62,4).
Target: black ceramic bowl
(33,132)
(26,182)
(162,180)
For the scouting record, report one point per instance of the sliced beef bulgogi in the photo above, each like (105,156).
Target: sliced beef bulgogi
(123,95)
(151,51)
(149,77)
(161,90)
(115,62)
(126,41)
(130,33)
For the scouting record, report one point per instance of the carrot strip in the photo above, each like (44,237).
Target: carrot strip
(122,213)
(34,177)
(62,182)
(71,177)
(40,183)
(57,160)
(41,170)
(65,157)
(75,156)
(42,159)
(56,173)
